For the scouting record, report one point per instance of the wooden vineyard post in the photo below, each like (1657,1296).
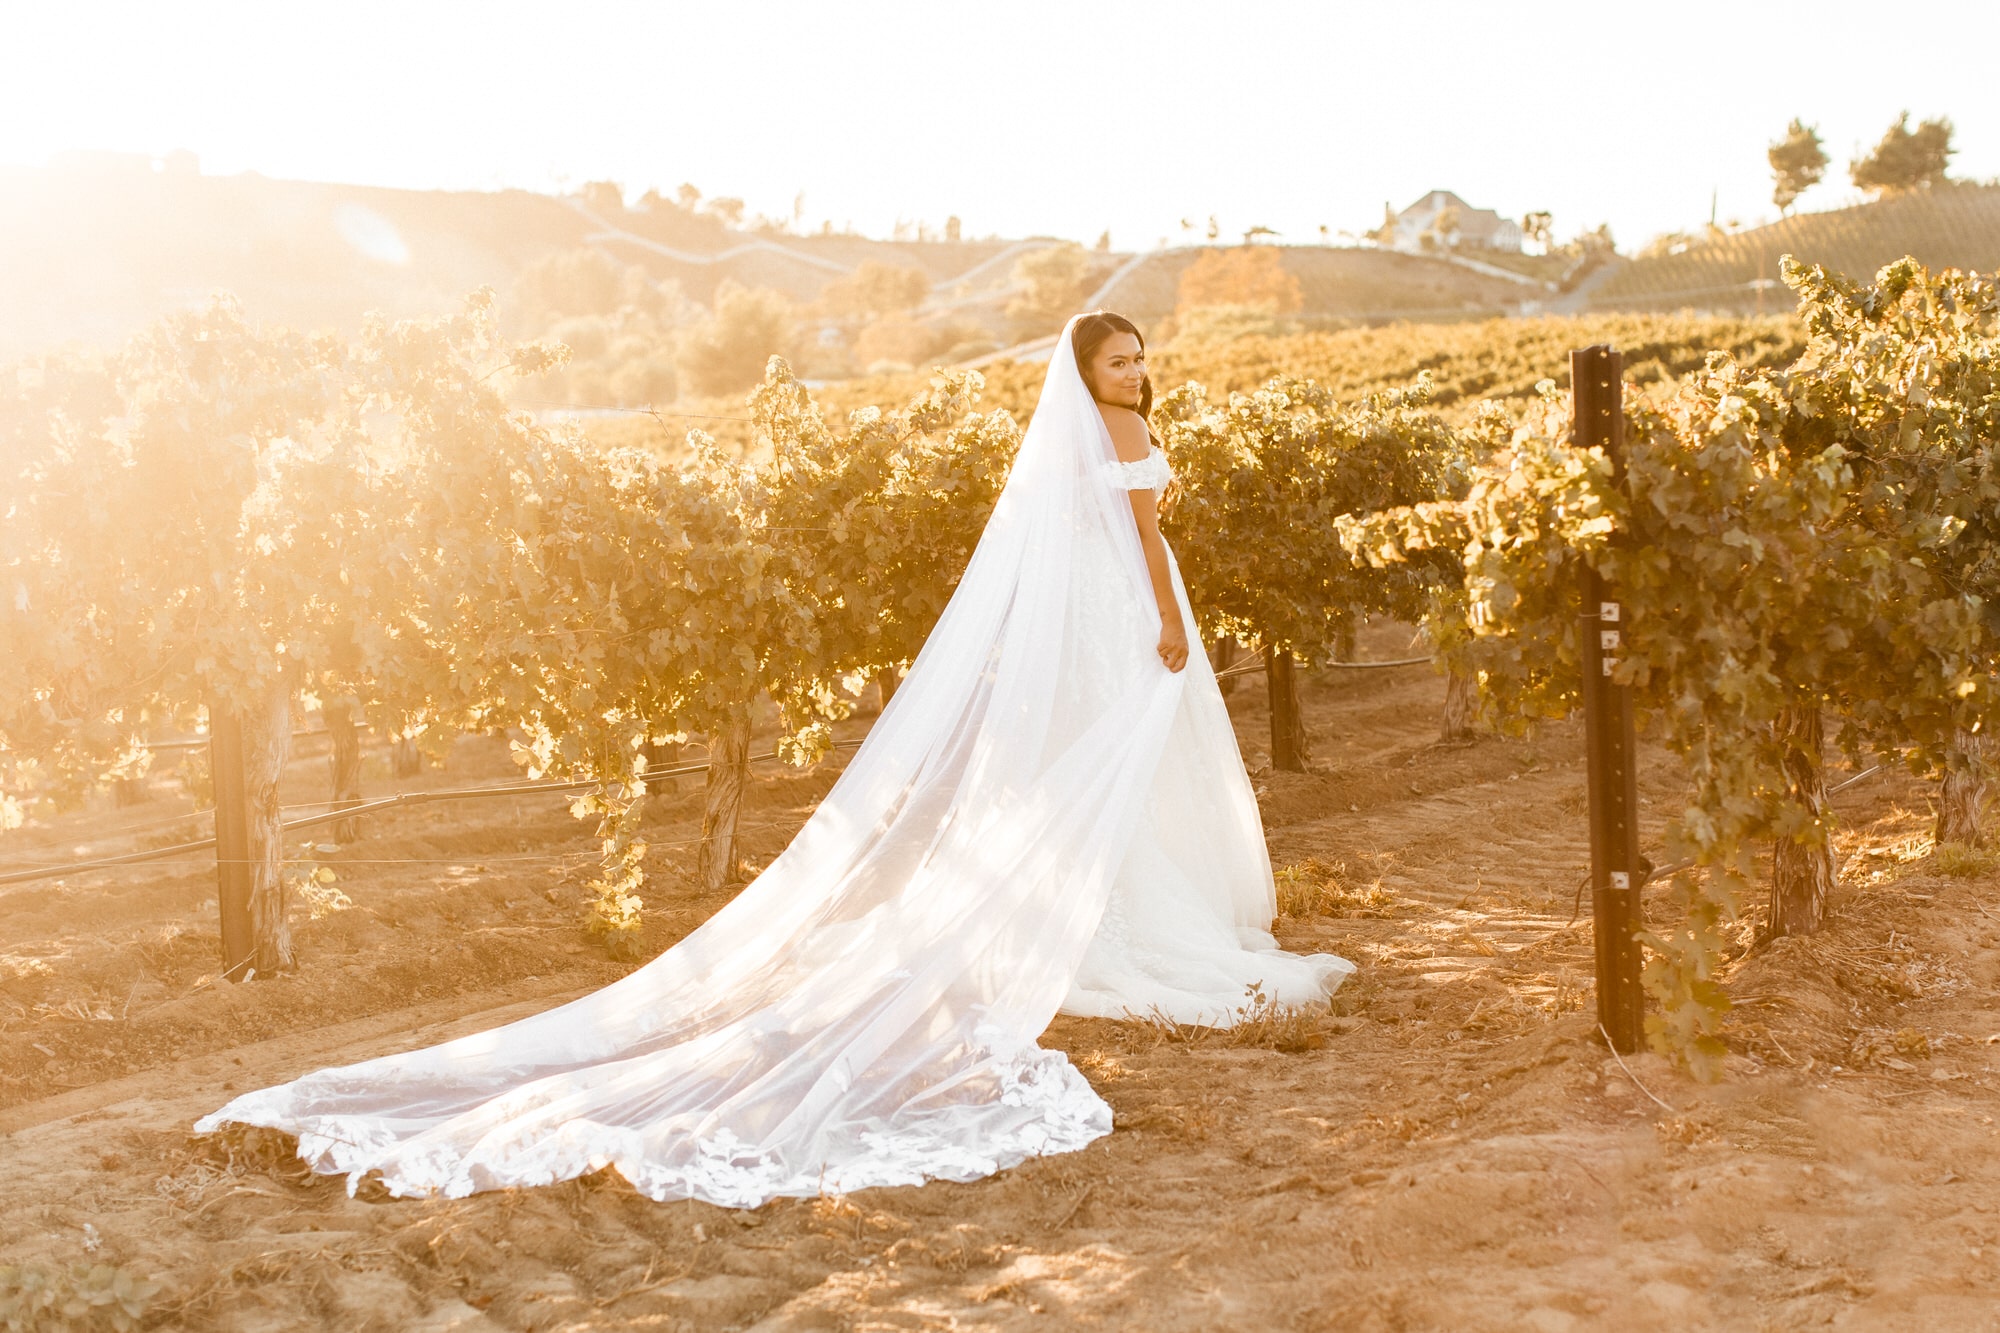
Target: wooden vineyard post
(1616,873)
(1289,751)
(233,873)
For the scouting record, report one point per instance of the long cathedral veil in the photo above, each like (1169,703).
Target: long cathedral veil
(866,1011)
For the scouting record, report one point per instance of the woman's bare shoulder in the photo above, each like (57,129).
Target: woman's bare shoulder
(1130,435)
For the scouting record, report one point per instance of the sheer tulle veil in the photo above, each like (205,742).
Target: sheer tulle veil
(866,1012)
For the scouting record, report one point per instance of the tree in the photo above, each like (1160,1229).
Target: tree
(1049,285)
(1906,159)
(869,531)
(1798,160)
(875,524)
(1540,228)
(1587,252)
(1596,244)
(603,196)
(895,340)
(224,517)
(569,282)
(1902,375)
(244,515)
(727,351)
(1443,232)
(875,289)
(1251,277)
(594,601)
(1385,234)
(207,522)
(728,211)
(1261,484)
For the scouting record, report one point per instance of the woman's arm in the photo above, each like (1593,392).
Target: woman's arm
(1133,441)
(1173,647)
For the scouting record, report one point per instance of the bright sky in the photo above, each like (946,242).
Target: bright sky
(1040,116)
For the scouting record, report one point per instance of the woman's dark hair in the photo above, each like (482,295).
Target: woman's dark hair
(1089,335)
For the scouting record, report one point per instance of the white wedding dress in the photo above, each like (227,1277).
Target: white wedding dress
(1044,818)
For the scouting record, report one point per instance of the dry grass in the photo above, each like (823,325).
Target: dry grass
(1886,1049)
(1961,861)
(1685,1131)
(1260,1022)
(79,1296)
(1313,887)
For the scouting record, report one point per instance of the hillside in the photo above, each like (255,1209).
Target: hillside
(1339,282)
(1469,360)
(1953,227)
(93,255)
(92,252)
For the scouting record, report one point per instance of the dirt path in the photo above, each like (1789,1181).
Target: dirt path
(1449,1148)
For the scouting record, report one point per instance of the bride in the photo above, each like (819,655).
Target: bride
(1050,815)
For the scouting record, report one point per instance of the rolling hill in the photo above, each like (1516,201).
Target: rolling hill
(93,253)
(94,249)
(1956,226)
(1341,282)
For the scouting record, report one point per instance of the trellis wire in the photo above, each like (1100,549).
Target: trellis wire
(1257,664)
(354,811)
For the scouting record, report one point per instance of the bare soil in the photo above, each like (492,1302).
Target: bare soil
(1450,1146)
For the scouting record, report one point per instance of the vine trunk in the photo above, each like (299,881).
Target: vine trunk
(344,764)
(886,681)
(1222,658)
(249,747)
(1289,750)
(1461,705)
(1802,866)
(728,772)
(1961,811)
(661,755)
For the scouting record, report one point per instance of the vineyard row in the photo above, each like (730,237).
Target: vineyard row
(219,521)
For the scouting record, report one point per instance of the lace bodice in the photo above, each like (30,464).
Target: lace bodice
(1151,473)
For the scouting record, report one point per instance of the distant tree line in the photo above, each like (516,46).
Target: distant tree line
(633,339)
(1904,159)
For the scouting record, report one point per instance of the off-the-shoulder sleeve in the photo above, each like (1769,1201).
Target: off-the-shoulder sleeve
(1151,473)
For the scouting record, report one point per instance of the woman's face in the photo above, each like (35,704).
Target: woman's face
(1117,370)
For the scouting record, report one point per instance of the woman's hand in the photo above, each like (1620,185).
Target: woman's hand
(1173,644)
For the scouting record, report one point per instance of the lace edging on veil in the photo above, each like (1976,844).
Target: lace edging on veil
(866,1011)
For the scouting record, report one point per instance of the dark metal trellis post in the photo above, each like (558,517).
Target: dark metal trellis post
(232,841)
(1616,871)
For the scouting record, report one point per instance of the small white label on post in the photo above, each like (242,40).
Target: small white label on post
(1620,880)
(1609,663)
(1607,639)
(1607,611)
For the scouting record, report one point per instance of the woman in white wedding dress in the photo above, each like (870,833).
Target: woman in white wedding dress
(1052,814)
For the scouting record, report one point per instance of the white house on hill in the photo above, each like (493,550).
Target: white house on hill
(1442,219)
